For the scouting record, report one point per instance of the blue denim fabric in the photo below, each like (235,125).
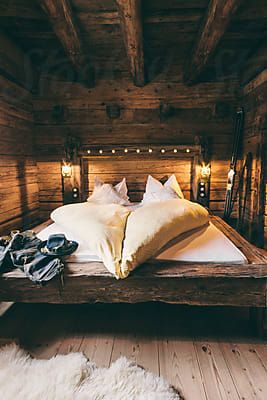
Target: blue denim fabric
(21,251)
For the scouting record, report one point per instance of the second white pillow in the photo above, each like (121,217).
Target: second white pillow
(156,191)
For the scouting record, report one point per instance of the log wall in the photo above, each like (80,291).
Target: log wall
(204,109)
(255,104)
(19,197)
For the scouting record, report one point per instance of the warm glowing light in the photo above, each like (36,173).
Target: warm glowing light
(187,150)
(150,150)
(66,170)
(175,150)
(162,150)
(113,151)
(89,151)
(100,151)
(125,150)
(205,170)
(137,150)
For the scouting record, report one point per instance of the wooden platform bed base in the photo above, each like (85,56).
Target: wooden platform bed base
(171,282)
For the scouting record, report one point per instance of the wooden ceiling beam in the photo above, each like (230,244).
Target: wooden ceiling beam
(215,24)
(130,12)
(63,23)
(256,63)
(15,65)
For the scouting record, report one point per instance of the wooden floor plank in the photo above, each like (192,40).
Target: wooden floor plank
(261,352)
(240,374)
(178,365)
(216,377)
(47,336)
(252,364)
(200,351)
(98,337)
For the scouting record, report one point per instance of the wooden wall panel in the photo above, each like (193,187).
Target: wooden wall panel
(19,197)
(136,172)
(195,111)
(255,103)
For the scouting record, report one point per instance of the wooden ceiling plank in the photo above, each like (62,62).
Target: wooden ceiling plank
(215,24)
(64,25)
(130,13)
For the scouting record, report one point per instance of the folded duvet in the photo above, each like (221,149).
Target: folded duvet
(100,227)
(152,226)
(123,239)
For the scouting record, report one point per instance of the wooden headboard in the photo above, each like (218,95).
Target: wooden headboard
(112,164)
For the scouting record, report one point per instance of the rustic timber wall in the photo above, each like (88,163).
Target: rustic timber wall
(19,201)
(255,103)
(204,109)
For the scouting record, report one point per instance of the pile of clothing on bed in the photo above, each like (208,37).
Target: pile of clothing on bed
(124,235)
(39,260)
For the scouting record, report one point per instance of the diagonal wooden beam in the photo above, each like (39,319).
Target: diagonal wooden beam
(215,24)
(130,12)
(256,63)
(63,23)
(15,64)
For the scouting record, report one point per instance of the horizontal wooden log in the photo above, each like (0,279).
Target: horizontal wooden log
(82,288)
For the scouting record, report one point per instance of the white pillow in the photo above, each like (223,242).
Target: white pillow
(155,191)
(122,189)
(174,185)
(105,193)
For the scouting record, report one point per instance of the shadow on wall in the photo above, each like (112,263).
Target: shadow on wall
(23,196)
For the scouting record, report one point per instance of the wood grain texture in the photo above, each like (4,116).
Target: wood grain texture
(139,124)
(205,354)
(130,13)
(65,27)
(216,22)
(170,282)
(255,104)
(19,197)
(255,64)
(15,64)
(113,164)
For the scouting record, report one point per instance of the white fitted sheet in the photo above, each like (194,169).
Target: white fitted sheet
(207,244)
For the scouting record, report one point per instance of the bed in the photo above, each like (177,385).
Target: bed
(234,282)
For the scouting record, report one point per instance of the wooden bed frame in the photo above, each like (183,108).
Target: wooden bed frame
(166,281)
(242,285)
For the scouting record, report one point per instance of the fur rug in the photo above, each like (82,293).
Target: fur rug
(73,377)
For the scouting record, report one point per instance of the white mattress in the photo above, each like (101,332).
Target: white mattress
(207,244)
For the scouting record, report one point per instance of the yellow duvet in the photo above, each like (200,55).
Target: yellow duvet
(100,226)
(123,239)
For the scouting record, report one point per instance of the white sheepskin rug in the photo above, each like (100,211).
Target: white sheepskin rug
(73,377)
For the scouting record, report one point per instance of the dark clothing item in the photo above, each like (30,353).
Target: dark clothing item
(57,245)
(21,250)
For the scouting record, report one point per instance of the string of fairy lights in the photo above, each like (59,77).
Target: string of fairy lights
(137,150)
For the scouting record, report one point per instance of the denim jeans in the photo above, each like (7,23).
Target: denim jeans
(21,251)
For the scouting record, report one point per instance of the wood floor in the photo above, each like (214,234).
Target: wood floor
(206,353)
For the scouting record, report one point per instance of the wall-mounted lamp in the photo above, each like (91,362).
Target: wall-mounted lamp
(205,171)
(66,169)
(204,184)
